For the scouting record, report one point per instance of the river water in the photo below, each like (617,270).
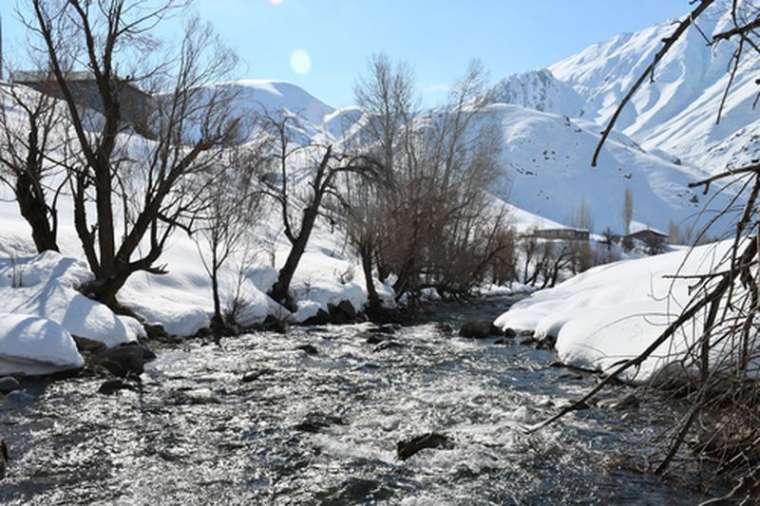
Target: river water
(196,434)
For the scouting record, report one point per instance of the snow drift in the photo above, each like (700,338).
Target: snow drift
(614,312)
(35,346)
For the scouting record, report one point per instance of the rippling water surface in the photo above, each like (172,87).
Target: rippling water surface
(198,435)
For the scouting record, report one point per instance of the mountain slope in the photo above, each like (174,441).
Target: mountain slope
(547,158)
(678,111)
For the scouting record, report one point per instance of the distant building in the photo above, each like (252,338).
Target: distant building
(136,105)
(647,236)
(566,234)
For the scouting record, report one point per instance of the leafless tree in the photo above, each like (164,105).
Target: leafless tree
(438,209)
(149,182)
(301,179)
(34,155)
(386,95)
(232,210)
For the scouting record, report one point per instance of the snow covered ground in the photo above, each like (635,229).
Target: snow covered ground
(615,311)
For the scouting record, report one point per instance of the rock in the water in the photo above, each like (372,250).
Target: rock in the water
(375,339)
(308,349)
(479,329)
(410,447)
(503,342)
(315,422)
(156,331)
(321,318)
(509,333)
(253,376)
(278,325)
(3,458)
(148,354)
(8,385)
(122,361)
(344,312)
(110,387)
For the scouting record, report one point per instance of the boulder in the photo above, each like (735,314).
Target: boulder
(479,329)
(509,333)
(122,361)
(344,311)
(321,318)
(85,345)
(408,448)
(9,384)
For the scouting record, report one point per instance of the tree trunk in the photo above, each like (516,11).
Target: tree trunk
(217,321)
(366,256)
(281,288)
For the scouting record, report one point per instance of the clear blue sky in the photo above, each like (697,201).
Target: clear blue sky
(437,37)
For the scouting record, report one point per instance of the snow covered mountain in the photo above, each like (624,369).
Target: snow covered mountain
(548,174)
(540,90)
(676,113)
(546,154)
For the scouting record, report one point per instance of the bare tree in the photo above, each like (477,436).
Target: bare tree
(34,159)
(150,183)
(302,203)
(232,211)
(386,96)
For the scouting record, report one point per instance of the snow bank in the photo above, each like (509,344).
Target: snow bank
(615,311)
(34,346)
(45,286)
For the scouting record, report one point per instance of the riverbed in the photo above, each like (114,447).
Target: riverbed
(259,420)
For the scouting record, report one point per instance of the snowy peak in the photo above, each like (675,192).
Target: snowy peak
(273,96)
(677,112)
(539,90)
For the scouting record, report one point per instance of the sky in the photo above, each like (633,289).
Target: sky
(323,45)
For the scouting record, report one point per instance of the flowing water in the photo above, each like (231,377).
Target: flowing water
(196,434)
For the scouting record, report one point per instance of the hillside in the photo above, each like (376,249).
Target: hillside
(677,113)
(549,174)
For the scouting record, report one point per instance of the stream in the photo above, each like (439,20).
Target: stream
(322,428)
